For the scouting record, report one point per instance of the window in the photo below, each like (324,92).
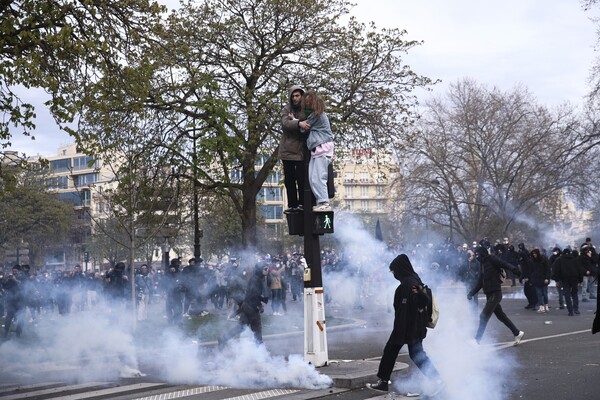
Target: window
(58,182)
(349,205)
(349,190)
(274,177)
(236,175)
(348,176)
(81,180)
(58,166)
(380,190)
(364,191)
(364,204)
(380,204)
(269,194)
(85,162)
(271,211)
(364,176)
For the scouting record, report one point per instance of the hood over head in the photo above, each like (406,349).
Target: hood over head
(292,90)
(402,268)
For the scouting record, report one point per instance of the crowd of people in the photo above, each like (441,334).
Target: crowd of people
(199,288)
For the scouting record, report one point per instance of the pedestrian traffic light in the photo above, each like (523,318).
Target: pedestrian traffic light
(86,256)
(322,222)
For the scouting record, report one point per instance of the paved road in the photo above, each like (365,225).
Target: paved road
(557,360)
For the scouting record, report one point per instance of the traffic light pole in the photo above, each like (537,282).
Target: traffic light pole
(315,334)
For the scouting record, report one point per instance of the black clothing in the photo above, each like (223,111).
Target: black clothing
(490,281)
(567,269)
(489,274)
(251,307)
(410,321)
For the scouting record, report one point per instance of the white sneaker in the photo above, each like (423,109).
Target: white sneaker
(519,337)
(322,207)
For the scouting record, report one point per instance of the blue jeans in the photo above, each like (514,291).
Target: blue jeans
(542,295)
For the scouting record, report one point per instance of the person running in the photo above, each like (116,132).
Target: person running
(490,281)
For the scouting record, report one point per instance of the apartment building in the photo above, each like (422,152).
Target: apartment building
(71,175)
(363,182)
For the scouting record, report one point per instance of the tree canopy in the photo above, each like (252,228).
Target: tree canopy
(222,82)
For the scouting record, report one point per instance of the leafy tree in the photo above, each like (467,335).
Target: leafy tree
(486,159)
(59,46)
(222,83)
(30,214)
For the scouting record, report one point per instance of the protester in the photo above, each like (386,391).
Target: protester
(14,301)
(410,328)
(251,308)
(320,144)
(291,149)
(490,282)
(144,288)
(568,275)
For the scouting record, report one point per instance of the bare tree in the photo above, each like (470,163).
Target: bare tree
(486,159)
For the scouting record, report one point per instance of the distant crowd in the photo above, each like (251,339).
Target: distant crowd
(198,288)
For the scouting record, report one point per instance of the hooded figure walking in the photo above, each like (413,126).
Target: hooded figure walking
(490,281)
(410,328)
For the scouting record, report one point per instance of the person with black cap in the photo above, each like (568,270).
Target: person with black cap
(410,328)
(251,307)
(490,281)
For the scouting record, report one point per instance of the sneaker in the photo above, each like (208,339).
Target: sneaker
(380,385)
(322,207)
(585,300)
(571,314)
(576,312)
(289,210)
(541,309)
(300,207)
(519,337)
(547,307)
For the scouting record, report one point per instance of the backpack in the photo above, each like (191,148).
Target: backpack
(432,307)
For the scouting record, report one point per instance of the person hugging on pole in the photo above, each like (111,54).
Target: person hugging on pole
(320,144)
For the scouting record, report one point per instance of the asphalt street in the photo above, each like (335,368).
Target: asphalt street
(558,359)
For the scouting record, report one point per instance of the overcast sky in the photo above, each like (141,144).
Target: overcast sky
(546,45)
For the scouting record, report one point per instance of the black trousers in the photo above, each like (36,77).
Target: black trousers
(571,296)
(492,306)
(416,354)
(248,317)
(293,172)
(530,293)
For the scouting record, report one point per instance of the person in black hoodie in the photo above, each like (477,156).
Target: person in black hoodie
(556,252)
(568,275)
(490,282)
(251,307)
(526,271)
(540,278)
(410,327)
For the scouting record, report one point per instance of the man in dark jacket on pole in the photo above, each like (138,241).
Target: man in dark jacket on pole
(568,275)
(291,149)
(410,327)
(490,281)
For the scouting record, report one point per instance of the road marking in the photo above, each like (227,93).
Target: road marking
(264,395)
(50,392)
(113,391)
(183,393)
(504,345)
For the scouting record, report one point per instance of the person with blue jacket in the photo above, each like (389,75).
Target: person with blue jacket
(320,144)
